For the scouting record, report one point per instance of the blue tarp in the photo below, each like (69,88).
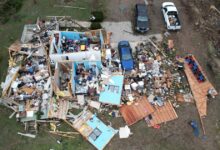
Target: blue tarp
(106,135)
(195,127)
(112,92)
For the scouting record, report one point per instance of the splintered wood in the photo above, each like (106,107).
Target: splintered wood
(188,98)
(58,110)
(136,111)
(16,46)
(162,114)
(80,124)
(199,90)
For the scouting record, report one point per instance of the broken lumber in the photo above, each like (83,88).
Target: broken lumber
(61,134)
(69,7)
(12,115)
(46,121)
(79,25)
(27,135)
(212,7)
(127,31)
(156,47)
(52,24)
(203,126)
(9,101)
(58,16)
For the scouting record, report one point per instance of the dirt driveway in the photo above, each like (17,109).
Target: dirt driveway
(176,135)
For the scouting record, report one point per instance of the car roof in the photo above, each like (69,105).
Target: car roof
(125,50)
(141,9)
(123,43)
(171,8)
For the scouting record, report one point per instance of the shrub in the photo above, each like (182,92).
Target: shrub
(9,8)
(99,16)
(39,114)
(95,25)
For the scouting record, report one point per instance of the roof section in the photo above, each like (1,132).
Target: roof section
(137,111)
(94,130)
(112,92)
(142,9)
(163,114)
(199,90)
(106,133)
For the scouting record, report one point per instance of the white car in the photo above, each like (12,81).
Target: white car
(170,15)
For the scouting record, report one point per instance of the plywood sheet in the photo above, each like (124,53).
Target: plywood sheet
(58,109)
(199,90)
(136,111)
(163,114)
(80,124)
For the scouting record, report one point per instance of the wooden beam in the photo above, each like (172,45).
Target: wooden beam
(203,127)
(69,7)
(156,47)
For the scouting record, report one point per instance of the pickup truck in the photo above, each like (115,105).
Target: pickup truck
(170,15)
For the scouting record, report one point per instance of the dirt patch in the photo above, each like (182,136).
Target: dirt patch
(120,10)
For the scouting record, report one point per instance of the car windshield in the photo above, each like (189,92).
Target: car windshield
(142,18)
(172,13)
(126,57)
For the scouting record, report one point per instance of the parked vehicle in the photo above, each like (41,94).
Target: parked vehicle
(141,18)
(170,15)
(125,54)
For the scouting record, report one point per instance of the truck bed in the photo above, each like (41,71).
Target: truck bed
(174,20)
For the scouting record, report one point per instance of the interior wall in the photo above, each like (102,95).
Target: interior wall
(77,56)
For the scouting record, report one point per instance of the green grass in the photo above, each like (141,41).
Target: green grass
(28,14)
(10,140)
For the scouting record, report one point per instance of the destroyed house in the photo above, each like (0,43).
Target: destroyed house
(31,43)
(28,84)
(28,32)
(68,45)
(79,77)
(111,94)
(81,70)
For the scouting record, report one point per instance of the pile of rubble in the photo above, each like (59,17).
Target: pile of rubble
(52,72)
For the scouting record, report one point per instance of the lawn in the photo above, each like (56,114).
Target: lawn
(10,140)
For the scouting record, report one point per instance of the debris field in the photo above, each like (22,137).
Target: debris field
(53,72)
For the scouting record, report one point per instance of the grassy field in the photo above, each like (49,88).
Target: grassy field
(10,140)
